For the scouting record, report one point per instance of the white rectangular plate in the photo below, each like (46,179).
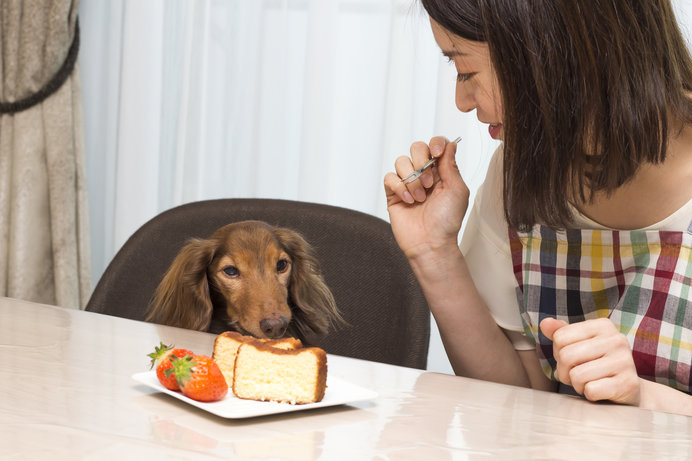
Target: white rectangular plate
(338,392)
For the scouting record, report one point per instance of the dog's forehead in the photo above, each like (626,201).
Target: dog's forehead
(251,236)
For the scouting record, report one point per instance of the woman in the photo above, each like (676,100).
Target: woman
(575,263)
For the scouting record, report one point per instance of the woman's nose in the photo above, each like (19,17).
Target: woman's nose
(464,99)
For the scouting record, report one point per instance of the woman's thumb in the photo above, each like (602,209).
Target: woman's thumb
(446,162)
(550,325)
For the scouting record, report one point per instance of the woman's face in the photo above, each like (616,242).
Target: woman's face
(477,86)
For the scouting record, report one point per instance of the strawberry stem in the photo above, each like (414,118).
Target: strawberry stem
(159,352)
(183,369)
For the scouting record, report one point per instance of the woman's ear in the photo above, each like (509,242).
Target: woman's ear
(311,300)
(182,298)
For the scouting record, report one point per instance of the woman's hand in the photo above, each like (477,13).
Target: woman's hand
(427,213)
(595,359)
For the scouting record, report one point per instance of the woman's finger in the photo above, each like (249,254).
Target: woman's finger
(577,369)
(582,331)
(575,354)
(395,190)
(405,166)
(622,388)
(608,365)
(437,145)
(420,155)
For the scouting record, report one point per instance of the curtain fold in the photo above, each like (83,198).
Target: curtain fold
(44,235)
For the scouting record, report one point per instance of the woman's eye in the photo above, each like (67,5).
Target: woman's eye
(231,271)
(281,265)
(460,77)
(464,77)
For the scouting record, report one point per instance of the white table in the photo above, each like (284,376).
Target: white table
(66,392)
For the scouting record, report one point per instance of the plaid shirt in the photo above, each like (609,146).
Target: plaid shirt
(639,279)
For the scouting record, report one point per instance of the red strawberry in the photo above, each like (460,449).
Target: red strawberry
(161,358)
(199,378)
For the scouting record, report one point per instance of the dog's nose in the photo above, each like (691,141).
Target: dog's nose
(274,326)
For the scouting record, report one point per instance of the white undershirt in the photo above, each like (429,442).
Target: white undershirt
(485,246)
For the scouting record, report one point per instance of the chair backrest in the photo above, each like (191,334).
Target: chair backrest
(370,278)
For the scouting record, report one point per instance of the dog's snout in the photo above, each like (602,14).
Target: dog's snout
(274,326)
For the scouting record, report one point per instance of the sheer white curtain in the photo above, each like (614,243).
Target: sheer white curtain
(307,100)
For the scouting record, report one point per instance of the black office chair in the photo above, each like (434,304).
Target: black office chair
(371,280)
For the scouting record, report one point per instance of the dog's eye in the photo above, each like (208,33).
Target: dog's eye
(231,271)
(281,265)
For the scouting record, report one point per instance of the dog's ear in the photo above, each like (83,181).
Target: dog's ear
(312,303)
(182,298)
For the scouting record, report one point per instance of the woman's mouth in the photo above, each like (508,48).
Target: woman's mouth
(495,130)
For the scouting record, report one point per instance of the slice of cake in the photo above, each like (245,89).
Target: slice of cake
(226,345)
(295,376)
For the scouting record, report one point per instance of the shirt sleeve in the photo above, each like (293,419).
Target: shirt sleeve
(485,246)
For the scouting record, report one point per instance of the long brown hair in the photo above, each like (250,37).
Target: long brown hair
(590,91)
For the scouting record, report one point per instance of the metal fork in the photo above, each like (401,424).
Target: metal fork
(415,174)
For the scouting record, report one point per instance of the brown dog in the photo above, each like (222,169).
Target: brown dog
(249,277)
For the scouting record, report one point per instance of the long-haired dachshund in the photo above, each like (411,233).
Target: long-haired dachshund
(249,277)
